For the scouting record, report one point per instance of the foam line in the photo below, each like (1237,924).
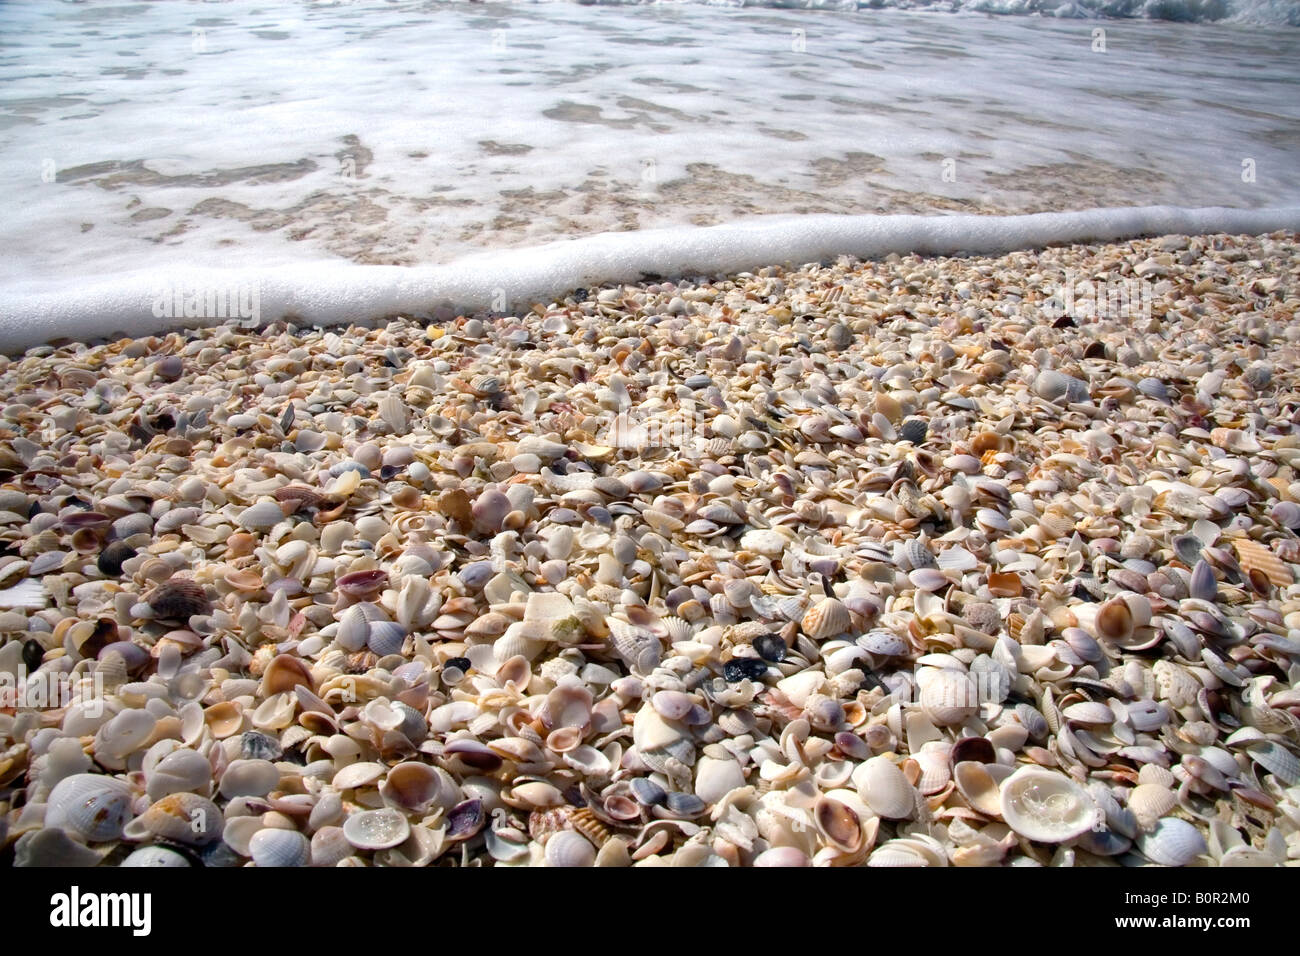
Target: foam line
(332,292)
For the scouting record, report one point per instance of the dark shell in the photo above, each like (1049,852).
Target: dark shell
(85,519)
(473,754)
(977,749)
(179,598)
(113,557)
(462,664)
(33,654)
(740,668)
(647,792)
(258,746)
(770,647)
(465,820)
(914,430)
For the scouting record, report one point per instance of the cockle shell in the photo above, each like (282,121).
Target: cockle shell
(569,848)
(1173,842)
(1047,807)
(881,783)
(1149,802)
(274,847)
(825,619)
(93,806)
(949,697)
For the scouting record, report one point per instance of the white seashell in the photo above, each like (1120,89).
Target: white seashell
(376,829)
(155,856)
(1173,842)
(262,516)
(1151,801)
(569,848)
(354,625)
(948,697)
(932,758)
(956,559)
(329,845)
(1047,807)
(885,789)
(274,847)
(1089,712)
(386,637)
(125,732)
(357,774)
(249,778)
(180,817)
(93,806)
(716,777)
(182,770)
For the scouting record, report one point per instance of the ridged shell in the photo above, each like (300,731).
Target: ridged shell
(1253,556)
(1149,802)
(1277,760)
(273,847)
(386,637)
(1173,842)
(956,559)
(949,697)
(179,598)
(885,789)
(569,848)
(825,619)
(180,817)
(93,806)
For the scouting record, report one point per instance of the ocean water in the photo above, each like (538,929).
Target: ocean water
(147,143)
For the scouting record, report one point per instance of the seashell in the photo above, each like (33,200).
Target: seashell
(178,598)
(1173,842)
(716,777)
(465,819)
(826,619)
(124,733)
(949,697)
(976,749)
(362,585)
(1203,586)
(329,846)
(1090,713)
(838,824)
(180,817)
(673,705)
(249,778)
(913,430)
(1256,557)
(1054,386)
(927,579)
(1151,801)
(386,637)
(932,759)
(1047,807)
(156,856)
(568,705)
(568,848)
(883,644)
(262,516)
(92,806)
(956,559)
(284,673)
(376,829)
(979,788)
(782,856)
(274,847)
(1277,760)
(886,791)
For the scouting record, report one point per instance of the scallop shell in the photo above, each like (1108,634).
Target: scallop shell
(274,847)
(179,598)
(956,559)
(93,806)
(1047,807)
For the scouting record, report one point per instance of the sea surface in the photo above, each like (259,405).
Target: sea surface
(140,138)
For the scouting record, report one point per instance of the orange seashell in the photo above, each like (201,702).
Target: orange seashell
(986,442)
(284,673)
(1005,584)
(1254,556)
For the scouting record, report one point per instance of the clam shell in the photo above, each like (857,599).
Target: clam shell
(376,829)
(1047,807)
(1149,802)
(569,848)
(274,847)
(949,697)
(881,783)
(825,619)
(93,806)
(179,817)
(1173,842)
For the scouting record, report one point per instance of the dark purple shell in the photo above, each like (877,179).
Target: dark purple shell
(465,819)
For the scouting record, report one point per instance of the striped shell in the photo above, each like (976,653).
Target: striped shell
(1149,802)
(825,619)
(93,806)
(1254,556)
(1173,842)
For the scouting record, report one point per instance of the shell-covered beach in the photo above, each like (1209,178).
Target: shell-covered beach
(911,562)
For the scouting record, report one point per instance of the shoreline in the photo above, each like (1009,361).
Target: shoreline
(954,540)
(506,280)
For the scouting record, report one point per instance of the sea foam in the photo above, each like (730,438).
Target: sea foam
(334,292)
